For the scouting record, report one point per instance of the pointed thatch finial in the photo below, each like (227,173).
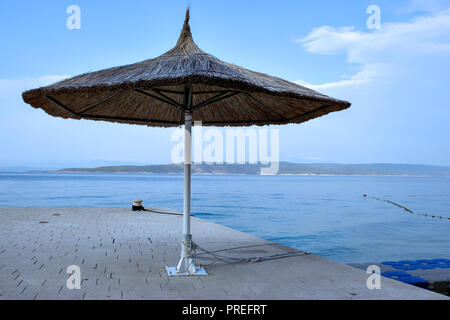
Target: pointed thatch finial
(186,20)
(185,43)
(186,31)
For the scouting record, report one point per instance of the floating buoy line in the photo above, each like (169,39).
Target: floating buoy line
(409,210)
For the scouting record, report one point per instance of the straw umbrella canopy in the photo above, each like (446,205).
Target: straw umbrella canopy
(184,84)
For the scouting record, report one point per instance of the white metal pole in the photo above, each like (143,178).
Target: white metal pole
(186,263)
(187,173)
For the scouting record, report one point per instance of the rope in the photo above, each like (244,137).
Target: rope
(411,211)
(243,247)
(164,211)
(231,260)
(192,248)
(215,257)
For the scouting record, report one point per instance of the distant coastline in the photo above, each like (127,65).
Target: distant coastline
(285,168)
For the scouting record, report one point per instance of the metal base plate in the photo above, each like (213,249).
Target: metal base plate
(199,271)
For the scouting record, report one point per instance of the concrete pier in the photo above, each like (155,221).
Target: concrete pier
(123,255)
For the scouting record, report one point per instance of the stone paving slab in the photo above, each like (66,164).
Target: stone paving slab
(123,255)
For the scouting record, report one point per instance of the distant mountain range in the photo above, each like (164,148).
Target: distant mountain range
(381,169)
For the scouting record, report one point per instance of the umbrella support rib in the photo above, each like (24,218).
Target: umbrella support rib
(100,103)
(223,95)
(186,265)
(166,97)
(60,105)
(100,117)
(325,106)
(172,103)
(283,118)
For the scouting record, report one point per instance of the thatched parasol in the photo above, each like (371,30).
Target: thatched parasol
(182,85)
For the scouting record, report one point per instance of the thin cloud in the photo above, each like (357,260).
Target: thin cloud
(395,44)
(364,76)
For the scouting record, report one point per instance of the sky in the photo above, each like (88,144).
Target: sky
(396,76)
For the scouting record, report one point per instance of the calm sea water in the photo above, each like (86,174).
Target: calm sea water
(327,216)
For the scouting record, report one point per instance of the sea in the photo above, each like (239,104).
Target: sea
(342,218)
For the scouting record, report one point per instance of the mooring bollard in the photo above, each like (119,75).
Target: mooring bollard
(137,205)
